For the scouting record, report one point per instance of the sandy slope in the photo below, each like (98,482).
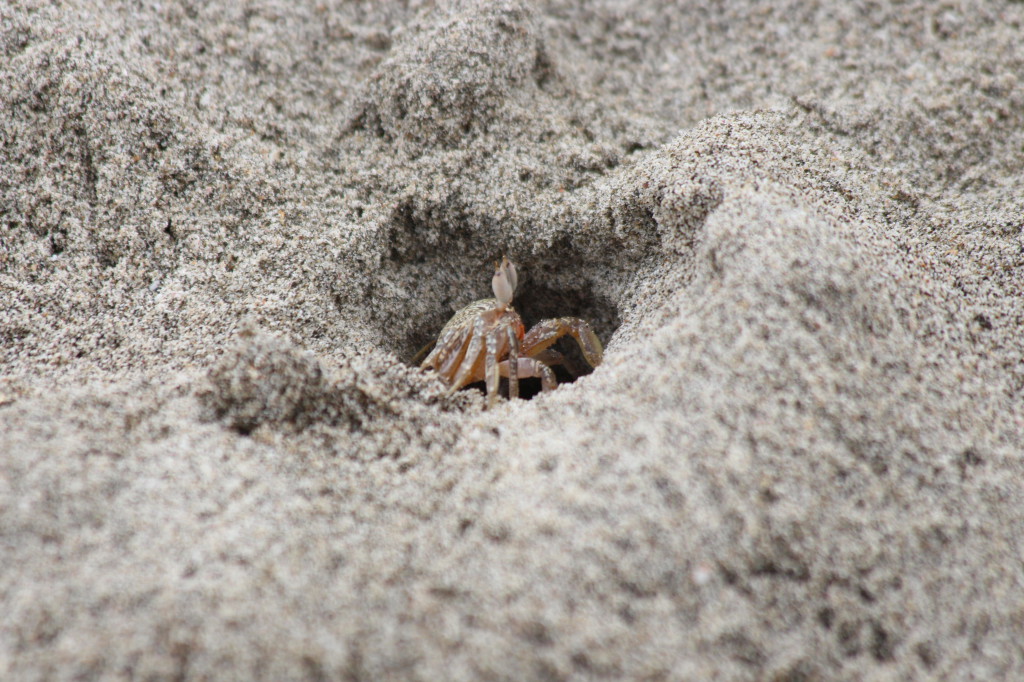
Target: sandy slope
(796,226)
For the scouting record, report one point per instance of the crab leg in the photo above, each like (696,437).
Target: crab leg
(528,367)
(435,353)
(513,363)
(491,367)
(443,350)
(472,354)
(546,332)
(448,363)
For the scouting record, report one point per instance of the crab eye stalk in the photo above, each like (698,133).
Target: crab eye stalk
(504,281)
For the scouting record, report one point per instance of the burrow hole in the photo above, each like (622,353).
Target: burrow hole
(541,296)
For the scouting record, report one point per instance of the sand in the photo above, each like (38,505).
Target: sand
(796,227)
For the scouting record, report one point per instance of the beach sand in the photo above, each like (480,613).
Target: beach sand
(798,228)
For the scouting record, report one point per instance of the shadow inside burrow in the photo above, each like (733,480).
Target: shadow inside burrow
(433,258)
(443,265)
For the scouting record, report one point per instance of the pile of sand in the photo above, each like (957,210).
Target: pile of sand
(798,230)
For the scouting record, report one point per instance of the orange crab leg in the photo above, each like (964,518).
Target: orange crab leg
(445,353)
(447,358)
(546,332)
(465,373)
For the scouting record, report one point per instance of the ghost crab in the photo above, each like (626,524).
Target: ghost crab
(486,340)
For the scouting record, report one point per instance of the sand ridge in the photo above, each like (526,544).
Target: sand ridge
(225,230)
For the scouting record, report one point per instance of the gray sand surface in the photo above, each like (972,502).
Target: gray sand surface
(796,226)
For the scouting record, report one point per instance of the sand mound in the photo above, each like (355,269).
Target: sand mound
(225,231)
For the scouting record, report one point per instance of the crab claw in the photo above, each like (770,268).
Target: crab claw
(504,281)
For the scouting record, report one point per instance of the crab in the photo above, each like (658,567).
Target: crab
(486,340)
